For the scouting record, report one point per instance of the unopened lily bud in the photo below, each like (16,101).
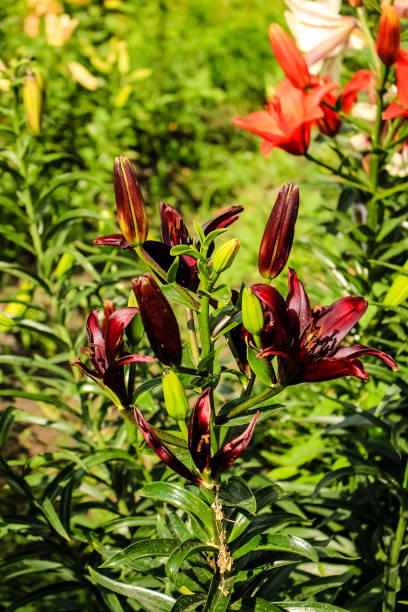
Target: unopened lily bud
(252,314)
(174,396)
(158,319)
(279,231)
(389,34)
(225,255)
(135,329)
(289,58)
(32,98)
(130,206)
(356,3)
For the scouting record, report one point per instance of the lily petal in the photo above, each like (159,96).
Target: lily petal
(199,435)
(161,451)
(113,240)
(337,319)
(359,349)
(231,451)
(328,369)
(173,229)
(297,304)
(115,325)
(96,342)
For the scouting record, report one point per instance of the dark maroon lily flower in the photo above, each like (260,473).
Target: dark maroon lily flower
(105,351)
(158,320)
(199,439)
(199,443)
(307,342)
(279,231)
(175,232)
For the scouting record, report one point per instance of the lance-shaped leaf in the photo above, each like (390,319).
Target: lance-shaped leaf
(162,451)
(130,206)
(226,456)
(158,320)
(279,231)
(199,437)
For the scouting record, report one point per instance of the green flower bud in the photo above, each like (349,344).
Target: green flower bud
(252,314)
(135,329)
(174,396)
(225,255)
(32,98)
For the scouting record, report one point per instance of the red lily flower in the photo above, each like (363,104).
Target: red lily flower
(288,117)
(105,351)
(199,443)
(307,342)
(174,232)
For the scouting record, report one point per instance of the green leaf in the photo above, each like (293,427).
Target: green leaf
(161,547)
(292,544)
(5,322)
(181,553)
(222,294)
(15,270)
(52,517)
(219,595)
(258,366)
(173,295)
(237,493)
(64,179)
(295,606)
(151,600)
(172,271)
(188,603)
(6,423)
(181,498)
(362,470)
(52,589)
(184,249)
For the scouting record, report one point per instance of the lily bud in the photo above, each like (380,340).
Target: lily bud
(279,231)
(175,397)
(225,255)
(32,98)
(290,59)
(130,206)
(252,314)
(158,319)
(135,329)
(389,34)
(356,3)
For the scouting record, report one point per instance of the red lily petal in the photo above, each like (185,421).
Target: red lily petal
(297,304)
(231,451)
(336,320)
(199,436)
(113,240)
(314,98)
(328,369)
(289,57)
(173,229)
(271,352)
(275,308)
(395,110)
(96,342)
(359,349)
(115,325)
(133,359)
(187,274)
(401,66)
(161,451)
(360,80)
(222,220)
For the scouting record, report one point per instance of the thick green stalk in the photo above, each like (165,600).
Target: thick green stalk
(253,401)
(195,353)
(372,204)
(392,571)
(204,325)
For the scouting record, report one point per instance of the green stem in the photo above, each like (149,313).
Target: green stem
(386,193)
(204,325)
(192,337)
(362,16)
(338,172)
(372,206)
(391,578)
(251,402)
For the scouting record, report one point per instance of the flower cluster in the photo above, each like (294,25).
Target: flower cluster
(294,342)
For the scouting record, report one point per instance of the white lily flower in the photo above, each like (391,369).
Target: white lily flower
(319,29)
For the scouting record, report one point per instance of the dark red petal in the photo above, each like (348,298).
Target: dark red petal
(187,275)
(158,319)
(359,349)
(96,342)
(161,451)
(337,319)
(277,239)
(221,221)
(173,229)
(133,359)
(327,369)
(226,456)
(115,325)
(114,378)
(275,307)
(297,304)
(199,437)
(113,240)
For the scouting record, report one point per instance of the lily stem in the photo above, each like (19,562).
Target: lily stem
(253,401)
(192,337)
(391,573)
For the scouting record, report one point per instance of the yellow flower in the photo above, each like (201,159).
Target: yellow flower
(80,74)
(59,28)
